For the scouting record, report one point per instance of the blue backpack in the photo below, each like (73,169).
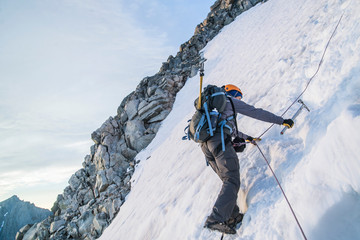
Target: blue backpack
(206,120)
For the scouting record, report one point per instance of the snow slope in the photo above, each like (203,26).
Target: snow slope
(270,51)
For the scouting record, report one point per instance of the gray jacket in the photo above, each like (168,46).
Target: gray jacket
(250,111)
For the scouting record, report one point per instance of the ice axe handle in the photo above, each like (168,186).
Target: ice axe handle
(202,60)
(283,131)
(199,102)
(296,114)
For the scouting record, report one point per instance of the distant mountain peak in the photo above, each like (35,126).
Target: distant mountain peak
(16,213)
(14,198)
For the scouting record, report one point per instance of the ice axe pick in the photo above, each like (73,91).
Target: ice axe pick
(201,63)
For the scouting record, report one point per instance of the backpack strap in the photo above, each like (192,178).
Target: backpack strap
(187,132)
(208,119)
(223,124)
(217,94)
(233,107)
(201,123)
(226,141)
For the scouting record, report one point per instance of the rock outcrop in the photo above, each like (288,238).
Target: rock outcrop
(97,191)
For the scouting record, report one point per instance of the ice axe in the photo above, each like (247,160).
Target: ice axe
(296,114)
(201,62)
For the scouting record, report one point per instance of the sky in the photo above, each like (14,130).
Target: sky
(279,45)
(65,67)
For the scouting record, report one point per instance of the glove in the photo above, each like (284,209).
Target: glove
(238,144)
(253,140)
(288,123)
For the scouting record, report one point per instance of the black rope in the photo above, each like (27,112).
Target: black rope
(308,83)
(297,221)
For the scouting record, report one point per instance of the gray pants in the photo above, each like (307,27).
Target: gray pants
(226,165)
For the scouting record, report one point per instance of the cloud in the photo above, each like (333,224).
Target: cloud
(25,178)
(79,146)
(65,67)
(39,186)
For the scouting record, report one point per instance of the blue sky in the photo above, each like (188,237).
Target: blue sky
(65,67)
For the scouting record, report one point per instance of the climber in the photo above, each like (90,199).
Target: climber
(225,213)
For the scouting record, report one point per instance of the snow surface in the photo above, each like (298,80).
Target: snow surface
(270,51)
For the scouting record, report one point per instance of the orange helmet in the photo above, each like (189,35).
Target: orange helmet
(233,90)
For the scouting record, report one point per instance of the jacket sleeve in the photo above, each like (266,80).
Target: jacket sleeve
(257,113)
(242,135)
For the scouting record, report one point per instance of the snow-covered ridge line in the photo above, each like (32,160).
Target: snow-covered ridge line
(270,52)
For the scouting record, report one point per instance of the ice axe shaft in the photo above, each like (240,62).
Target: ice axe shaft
(201,62)
(296,114)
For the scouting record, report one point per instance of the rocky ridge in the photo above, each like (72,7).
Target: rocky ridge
(97,191)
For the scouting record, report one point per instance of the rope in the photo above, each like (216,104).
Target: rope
(308,83)
(297,221)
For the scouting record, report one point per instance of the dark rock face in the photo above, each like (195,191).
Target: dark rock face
(15,214)
(97,191)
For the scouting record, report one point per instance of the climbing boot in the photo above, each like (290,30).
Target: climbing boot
(221,227)
(235,220)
